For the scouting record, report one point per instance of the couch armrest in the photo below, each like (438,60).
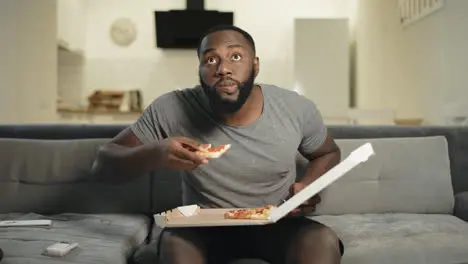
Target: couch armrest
(461,206)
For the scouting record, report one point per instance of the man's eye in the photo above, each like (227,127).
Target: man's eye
(211,60)
(236,57)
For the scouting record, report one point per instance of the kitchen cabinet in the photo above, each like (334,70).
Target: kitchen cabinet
(321,64)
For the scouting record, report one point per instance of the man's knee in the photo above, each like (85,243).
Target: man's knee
(319,237)
(317,244)
(325,235)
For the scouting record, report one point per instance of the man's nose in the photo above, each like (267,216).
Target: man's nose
(223,69)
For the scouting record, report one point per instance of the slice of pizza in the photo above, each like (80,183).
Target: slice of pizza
(255,213)
(209,152)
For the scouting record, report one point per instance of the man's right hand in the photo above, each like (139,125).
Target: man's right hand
(179,153)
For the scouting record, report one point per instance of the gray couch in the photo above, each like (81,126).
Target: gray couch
(407,205)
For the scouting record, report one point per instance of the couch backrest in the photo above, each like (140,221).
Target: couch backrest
(407,175)
(457,139)
(166,186)
(53,176)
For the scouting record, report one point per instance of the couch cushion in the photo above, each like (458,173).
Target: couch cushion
(101,238)
(407,175)
(53,176)
(457,138)
(400,238)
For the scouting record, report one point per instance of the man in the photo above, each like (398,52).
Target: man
(265,125)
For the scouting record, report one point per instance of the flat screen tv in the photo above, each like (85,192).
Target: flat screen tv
(182,29)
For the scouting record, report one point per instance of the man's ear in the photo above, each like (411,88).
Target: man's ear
(256,64)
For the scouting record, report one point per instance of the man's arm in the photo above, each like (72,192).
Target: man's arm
(319,148)
(125,156)
(316,144)
(323,159)
(146,145)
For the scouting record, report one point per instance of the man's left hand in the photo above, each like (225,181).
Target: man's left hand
(308,206)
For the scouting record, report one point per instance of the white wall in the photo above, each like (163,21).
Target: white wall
(414,70)
(142,66)
(28,61)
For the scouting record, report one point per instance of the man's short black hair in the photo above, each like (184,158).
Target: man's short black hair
(221,27)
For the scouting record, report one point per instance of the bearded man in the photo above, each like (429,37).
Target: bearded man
(266,126)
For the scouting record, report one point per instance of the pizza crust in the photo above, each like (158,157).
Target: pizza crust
(260,216)
(206,151)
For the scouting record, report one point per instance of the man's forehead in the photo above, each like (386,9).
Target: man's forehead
(223,38)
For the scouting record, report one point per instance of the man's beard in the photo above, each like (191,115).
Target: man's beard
(225,106)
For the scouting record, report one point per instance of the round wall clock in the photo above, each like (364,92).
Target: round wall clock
(123,32)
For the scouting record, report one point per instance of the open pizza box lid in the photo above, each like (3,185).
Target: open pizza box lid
(193,216)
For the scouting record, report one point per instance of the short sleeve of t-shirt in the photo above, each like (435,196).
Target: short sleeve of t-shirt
(151,126)
(314,131)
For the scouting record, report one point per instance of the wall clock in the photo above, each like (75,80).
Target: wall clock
(123,32)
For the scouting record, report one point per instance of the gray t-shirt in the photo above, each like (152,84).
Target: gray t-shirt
(260,166)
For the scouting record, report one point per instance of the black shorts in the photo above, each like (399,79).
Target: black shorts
(267,242)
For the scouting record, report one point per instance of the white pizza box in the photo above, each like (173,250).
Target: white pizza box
(193,216)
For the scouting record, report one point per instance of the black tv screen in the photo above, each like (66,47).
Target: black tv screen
(182,29)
